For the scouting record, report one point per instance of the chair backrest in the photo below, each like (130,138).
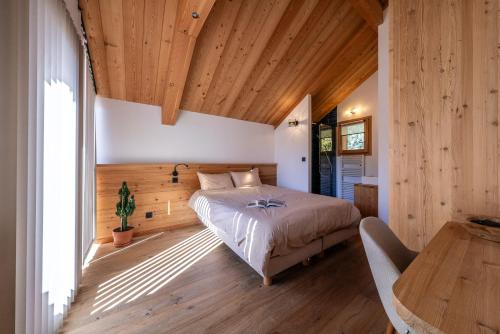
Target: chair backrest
(387,257)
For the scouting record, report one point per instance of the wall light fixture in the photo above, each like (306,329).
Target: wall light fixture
(175,173)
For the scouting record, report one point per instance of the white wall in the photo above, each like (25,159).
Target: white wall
(365,100)
(291,145)
(129,132)
(383,119)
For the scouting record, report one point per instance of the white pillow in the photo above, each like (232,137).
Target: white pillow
(246,179)
(215,181)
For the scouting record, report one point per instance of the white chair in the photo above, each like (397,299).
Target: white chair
(388,258)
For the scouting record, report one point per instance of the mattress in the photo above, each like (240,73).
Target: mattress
(263,233)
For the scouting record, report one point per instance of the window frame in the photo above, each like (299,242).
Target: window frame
(368,136)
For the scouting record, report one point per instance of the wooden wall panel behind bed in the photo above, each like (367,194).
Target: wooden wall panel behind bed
(154,191)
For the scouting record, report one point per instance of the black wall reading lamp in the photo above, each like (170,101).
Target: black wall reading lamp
(293,123)
(175,173)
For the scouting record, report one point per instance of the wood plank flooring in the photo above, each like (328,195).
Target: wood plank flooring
(186,281)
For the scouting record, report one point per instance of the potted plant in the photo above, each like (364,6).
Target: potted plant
(122,235)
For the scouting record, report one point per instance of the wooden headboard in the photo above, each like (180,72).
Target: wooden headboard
(154,192)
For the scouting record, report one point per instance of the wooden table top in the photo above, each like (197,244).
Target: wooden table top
(453,286)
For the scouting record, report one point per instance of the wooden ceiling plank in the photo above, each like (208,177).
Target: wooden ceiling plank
(244,17)
(208,52)
(348,81)
(252,18)
(254,62)
(370,10)
(312,75)
(181,54)
(292,22)
(296,53)
(153,26)
(322,99)
(357,49)
(353,47)
(346,87)
(167,35)
(315,36)
(305,49)
(93,29)
(133,26)
(279,115)
(112,28)
(250,60)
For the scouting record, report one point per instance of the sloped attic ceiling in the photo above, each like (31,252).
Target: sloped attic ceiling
(246,59)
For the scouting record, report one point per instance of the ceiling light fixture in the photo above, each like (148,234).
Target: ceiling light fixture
(195,15)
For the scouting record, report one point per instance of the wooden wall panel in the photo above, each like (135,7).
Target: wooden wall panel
(154,191)
(444,119)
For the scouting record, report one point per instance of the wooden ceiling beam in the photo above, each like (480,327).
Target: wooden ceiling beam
(187,29)
(370,10)
(210,46)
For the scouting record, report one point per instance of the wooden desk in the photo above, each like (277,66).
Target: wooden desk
(453,286)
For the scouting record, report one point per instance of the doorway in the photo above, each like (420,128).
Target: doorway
(324,169)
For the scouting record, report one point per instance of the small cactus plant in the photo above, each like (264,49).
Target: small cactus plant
(125,207)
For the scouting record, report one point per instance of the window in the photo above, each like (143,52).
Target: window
(354,136)
(326,139)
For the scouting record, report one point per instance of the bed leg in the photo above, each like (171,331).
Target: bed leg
(267,281)
(306,262)
(321,254)
(390,328)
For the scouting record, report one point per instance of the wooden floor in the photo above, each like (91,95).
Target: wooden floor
(185,281)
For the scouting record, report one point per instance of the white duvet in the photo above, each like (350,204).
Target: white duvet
(262,233)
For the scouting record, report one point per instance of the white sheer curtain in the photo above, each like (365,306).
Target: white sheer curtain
(88,161)
(54,159)
(68,160)
(61,78)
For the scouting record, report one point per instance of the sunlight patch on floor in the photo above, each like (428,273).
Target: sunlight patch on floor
(93,250)
(154,273)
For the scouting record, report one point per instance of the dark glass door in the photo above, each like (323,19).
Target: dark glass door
(324,155)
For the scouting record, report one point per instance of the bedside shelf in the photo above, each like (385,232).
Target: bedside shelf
(366,199)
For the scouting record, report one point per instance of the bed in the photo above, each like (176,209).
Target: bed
(271,240)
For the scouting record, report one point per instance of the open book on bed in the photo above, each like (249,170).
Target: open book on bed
(262,203)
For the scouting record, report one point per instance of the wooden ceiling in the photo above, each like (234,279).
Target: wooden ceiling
(247,59)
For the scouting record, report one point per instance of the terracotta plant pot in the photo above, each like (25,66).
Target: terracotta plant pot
(120,238)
